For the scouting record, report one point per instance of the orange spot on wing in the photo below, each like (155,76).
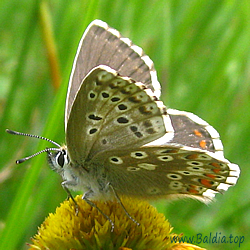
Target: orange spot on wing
(206,183)
(197,133)
(192,191)
(215,164)
(203,144)
(210,176)
(172,151)
(192,156)
(216,170)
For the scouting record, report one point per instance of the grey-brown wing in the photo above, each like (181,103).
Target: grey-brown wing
(190,130)
(103,45)
(163,171)
(111,112)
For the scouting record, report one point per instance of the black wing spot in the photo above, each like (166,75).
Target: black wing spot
(133,128)
(92,131)
(104,141)
(122,120)
(115,99)
(122,107)
(138,154)
(138,134)
(94,117)
(105,95)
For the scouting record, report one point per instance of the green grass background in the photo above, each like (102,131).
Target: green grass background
(201,50)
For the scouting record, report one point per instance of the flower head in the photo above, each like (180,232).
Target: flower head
(89,229)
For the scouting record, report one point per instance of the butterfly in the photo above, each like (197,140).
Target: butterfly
(121,140)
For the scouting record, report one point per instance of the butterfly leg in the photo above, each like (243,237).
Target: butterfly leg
(65,185)
(123,207)
(92,204)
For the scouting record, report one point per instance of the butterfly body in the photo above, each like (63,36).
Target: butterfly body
(88,177)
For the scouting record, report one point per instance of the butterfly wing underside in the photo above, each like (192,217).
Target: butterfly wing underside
(192,131)
(163,171)
(112,112)
(103,45)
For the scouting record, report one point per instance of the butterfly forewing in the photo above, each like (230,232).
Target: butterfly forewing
(108,47)
(153,172)
(112,112)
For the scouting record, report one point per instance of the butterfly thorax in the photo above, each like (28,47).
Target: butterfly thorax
(87,177)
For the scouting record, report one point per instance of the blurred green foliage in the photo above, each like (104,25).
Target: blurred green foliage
(201,52)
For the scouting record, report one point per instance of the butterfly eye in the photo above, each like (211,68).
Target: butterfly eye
(61,158)
(58,160)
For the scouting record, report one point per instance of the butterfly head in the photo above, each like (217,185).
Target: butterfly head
(58,160)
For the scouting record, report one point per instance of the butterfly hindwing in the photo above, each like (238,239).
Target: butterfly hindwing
(192,131)
(163,171)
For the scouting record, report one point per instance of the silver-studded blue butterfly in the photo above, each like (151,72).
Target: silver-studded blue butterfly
(122,140)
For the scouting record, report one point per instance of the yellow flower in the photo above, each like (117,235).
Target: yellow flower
(89,229)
